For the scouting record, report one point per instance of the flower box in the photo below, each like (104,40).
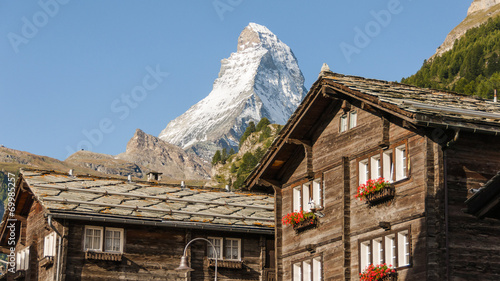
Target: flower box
(375,191)
(300,220)
(305,224)
(382,195)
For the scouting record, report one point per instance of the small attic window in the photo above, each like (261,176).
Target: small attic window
(348,120)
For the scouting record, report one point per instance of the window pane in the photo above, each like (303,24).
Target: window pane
(307,271)
(305,197)
(317,193)
(217,242)
(363,171)
(365,255)
(296,199)
(317,269)
(388,166)
(403,249)
(376,167)
(297,272)
(401,162)
(343,123)
(353,115)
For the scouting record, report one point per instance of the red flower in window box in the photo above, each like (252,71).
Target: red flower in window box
(375,190)
(299,219)
(381,272)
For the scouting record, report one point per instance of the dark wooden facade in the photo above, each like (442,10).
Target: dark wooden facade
(152,249)
(448,156)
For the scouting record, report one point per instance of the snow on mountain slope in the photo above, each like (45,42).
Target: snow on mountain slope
(262,79)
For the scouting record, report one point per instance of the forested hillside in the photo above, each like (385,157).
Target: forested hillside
(472,67)
(232,169)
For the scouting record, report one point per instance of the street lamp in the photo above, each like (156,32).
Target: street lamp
(184,264)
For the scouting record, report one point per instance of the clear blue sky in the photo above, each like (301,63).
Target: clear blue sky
(68,68)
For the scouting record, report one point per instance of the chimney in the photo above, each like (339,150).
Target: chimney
(227,188)
(71,172)
(495,96)
(183,184)
(129,178)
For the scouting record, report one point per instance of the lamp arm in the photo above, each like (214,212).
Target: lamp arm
(215,251)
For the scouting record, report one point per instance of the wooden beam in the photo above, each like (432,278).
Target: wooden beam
(309,153)
(384,142)
(271,183)
(298,142)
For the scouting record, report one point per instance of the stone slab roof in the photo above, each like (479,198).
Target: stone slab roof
(421,101)
(91,196)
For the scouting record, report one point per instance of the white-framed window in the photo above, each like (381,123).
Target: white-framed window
(343,123)
(317,268)
(103,239)
(348,120)
(49,245)
(390,250)
(378,251)
(390,164)
(365,254)
(393,249)
(113,240)
(401,162)
(297,271)
(227,248)
(403,249)
(232,249)
(23,259)
(363,171)
(376,167)
(217,243)
(317,196)
(353,119)
(297,195)
(93,238)
(308,270)
(307,195)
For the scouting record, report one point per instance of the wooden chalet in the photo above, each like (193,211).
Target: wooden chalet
(67,227)
(433,149)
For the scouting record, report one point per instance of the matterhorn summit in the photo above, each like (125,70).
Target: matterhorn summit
(262,79)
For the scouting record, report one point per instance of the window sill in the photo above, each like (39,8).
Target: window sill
(103,256)
(46,261)
(226,264)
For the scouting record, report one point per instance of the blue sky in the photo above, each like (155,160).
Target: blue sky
(86,74)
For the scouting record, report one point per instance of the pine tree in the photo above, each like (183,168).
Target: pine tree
(217,158)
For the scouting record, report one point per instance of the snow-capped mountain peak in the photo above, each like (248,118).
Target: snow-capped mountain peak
(261,79)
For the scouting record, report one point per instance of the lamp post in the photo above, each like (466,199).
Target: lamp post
(184,264)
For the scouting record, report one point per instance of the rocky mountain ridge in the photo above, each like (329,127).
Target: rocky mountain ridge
(149,151)
(478,13)
(261,79)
